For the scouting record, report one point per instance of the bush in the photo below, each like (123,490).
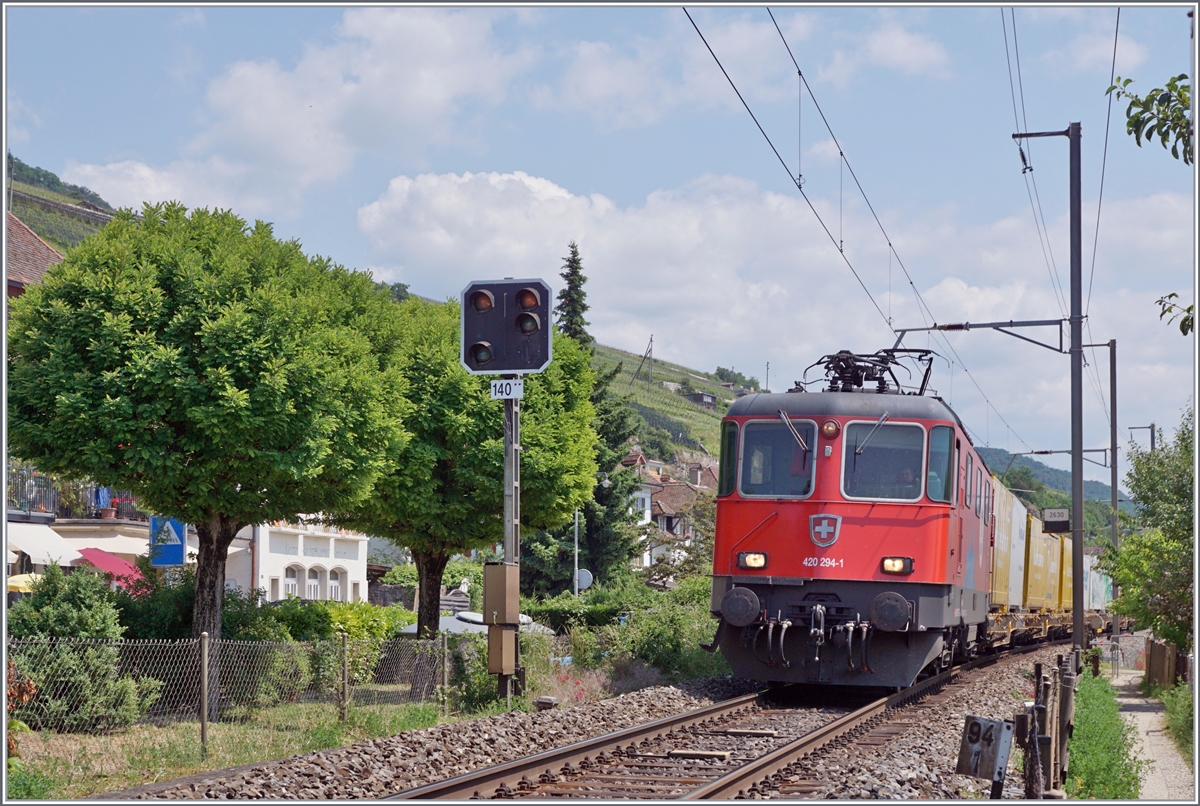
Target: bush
(27,784)
(1179,719)
(1102,763)
(79,687)
(472,689)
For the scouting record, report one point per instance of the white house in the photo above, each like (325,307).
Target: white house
(306,559)
(310,561)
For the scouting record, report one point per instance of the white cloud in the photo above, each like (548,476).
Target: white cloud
(638,82)
(1094,51)
(392,81)
(892,47)
(723,272)
(825,150)
(19,117)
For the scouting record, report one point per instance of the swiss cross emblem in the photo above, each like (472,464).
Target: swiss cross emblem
(824,529)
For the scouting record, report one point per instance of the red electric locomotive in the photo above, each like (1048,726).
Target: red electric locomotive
(852,538)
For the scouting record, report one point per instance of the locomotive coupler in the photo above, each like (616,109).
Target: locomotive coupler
(816,629)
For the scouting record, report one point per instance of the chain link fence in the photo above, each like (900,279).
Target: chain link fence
(96,686)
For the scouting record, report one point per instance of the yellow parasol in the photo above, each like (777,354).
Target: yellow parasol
(23,583)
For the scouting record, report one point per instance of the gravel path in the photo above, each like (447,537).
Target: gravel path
(1168,776)
(382,767)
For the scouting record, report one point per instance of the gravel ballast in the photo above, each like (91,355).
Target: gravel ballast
(380,767)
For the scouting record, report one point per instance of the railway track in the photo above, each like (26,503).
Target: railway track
(743,747)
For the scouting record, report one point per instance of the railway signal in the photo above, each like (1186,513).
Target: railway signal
(505,330)
(506,327)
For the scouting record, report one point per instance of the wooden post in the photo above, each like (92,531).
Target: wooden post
(445,674)
(204,694)
(344,704)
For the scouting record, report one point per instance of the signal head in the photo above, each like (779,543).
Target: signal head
(483,301)
(481,353)
(528,299)
(528,323)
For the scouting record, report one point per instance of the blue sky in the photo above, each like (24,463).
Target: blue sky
(439,145)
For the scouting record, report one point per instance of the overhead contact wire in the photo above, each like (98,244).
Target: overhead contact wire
(922,307)
(789,172)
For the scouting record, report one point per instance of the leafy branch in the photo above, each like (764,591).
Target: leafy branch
(1186,316)
(1162,113)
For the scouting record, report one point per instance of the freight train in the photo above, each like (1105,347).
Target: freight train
(862,541)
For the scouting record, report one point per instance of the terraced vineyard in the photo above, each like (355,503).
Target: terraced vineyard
(691,428)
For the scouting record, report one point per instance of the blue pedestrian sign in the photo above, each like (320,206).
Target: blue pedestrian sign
(168,541)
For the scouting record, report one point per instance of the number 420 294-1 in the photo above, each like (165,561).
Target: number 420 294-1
(824,562)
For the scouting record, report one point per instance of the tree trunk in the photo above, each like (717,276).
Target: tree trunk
(430,566)
(215,536)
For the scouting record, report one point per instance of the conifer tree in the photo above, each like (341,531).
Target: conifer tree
(572,300)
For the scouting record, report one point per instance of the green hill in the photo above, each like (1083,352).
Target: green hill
(998,459)
(670,422)
(60,213)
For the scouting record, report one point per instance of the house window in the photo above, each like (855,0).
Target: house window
(291,583)
(314,584)
(274,589)
(354,587)
(335,586)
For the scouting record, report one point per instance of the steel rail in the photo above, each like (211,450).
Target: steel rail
(483,782)
(526,773)
(737,782)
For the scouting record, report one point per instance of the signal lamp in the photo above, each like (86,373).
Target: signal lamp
(481,352)
(527,299)
(528,323)
(897,565)
(830,429)
(751,559)
(483,301)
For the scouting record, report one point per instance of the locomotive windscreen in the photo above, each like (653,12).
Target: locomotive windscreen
(774,463)
(886,465)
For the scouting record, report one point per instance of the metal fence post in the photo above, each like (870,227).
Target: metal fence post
(204,694)
(344,704)
(445,673)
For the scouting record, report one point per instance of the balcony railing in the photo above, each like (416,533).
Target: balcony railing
(31,490)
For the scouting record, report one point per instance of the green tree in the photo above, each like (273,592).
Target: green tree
(1153,567)
(701,515)
(398,292)
(217,372)
(607,537)
(1164,113)
(572,300)
(444,494)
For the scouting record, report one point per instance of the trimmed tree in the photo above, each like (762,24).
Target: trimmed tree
(1153,567)
(572,300)
(217,372)
(444,494)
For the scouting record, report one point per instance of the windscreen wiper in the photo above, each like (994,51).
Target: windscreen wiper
(858,449)
(783,416)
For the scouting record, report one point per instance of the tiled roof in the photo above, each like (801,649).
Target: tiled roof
(674,497)
(28,256)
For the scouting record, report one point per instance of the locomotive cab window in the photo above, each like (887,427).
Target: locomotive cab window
(774,463)
(883,461)
(940,480)
(728,466)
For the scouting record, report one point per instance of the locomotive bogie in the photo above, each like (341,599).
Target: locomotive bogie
(843,632)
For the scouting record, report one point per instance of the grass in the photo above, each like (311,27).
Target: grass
(60,231)
(65,766)
(1102,764)
(1179,707)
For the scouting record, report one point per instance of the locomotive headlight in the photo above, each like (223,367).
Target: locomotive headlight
(897,565)
(830,429)
(752,559)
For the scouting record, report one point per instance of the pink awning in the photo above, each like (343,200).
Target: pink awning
(111,564)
